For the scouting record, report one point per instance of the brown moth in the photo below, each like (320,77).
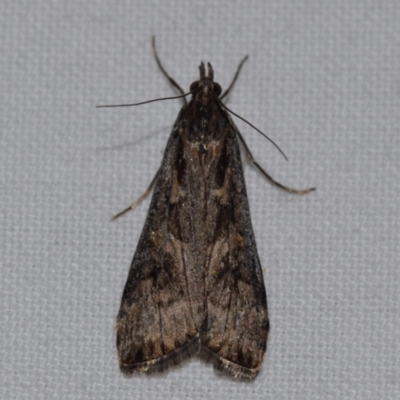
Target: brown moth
(195,287)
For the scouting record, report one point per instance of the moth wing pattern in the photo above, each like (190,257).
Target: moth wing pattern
(236,328)
(195,286)
(155,324)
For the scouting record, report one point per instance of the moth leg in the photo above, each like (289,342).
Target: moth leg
(234,78)
(139,200)
(269,177)
(165,73)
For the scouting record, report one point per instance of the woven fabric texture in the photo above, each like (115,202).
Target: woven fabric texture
(322,80)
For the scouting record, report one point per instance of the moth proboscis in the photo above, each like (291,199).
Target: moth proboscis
(195,286)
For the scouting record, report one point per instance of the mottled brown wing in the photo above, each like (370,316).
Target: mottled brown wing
(236,327)
(155,324)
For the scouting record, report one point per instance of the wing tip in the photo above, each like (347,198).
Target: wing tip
(161,364)
(227,367)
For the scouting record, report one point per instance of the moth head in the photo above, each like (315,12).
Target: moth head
(206,84)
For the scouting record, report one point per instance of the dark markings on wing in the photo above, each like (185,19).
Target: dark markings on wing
(235,331)
(155,325)
(195,285)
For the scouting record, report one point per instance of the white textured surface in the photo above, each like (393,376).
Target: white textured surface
(322,80)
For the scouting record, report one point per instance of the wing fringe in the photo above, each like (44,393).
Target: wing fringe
(162,364)
(228,367)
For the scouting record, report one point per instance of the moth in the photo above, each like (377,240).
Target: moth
(195,286)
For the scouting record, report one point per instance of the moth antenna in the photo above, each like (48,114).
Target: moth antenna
(254,127)
(143,102)
(165,73)
(234,78)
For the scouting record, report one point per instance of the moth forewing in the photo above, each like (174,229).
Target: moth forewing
(195,286)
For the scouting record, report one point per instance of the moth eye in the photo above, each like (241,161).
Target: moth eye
(194,87)
(217,89)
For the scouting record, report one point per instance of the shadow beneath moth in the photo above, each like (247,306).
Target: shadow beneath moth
(195,286)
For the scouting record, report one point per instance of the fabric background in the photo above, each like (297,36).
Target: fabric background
(322,80)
